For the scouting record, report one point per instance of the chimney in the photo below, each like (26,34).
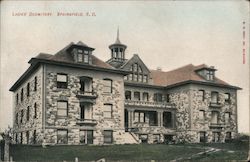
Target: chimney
(158,68)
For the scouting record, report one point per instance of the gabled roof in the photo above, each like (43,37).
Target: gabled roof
(134,59)
(183,74)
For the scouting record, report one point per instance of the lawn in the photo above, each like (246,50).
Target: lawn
(142,152)
(114,152)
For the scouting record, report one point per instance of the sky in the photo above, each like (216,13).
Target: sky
(165,34)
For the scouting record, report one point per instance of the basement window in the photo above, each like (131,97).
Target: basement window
(108,136)
(62,136)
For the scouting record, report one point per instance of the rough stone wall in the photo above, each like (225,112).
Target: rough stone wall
(34,97)
(181,98)
(203,124)
(189,102)
(53,94)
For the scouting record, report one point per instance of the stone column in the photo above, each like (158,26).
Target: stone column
(160,118)
(130,118)
(173,119)
(7,148)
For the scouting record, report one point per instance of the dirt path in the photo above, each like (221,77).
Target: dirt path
(207,150)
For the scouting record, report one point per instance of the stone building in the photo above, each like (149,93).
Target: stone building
(72,97)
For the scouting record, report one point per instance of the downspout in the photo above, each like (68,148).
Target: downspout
(43,100)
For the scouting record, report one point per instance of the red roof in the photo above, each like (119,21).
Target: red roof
(185,73)
(64,56)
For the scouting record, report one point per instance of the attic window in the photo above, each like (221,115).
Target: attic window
(79,57)
(137,74)
(210,75)
(85,58)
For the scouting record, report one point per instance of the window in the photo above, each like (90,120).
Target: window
(167,97)
(28,89)
(202,95)
(34,137)
(128,95)
(158,97)
(107,85)
(21,120)
(139,116)
(227,117)
(228,137)
(86,84)
(28,113)
(62,81)
(27,137)
(156,138)
(137,96)
(210,75)
(202,114)
(21,138)
(137,74)
(16,118)
(140,78)
(22,94)
(145,96)
(17,98)
(35,110)
(62,108)
(143,138)
(16,138)
(86,52)
(35,84)
(214,97)
(135,77)
(79,57)
(145,78)
(152,117)
(86,136)
(86,110)
(202,136)
(108,136)
(130,77)
(86,58)
(168,120)
(227,97)
(107,112)
(62,136)
(214,117)
(216,137)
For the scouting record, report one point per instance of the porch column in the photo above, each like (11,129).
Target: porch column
(159,118)
(130,118)
(173,119)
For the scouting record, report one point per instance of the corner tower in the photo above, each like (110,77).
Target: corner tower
(117,50)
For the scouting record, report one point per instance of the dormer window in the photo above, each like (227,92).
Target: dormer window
(210,75)
(86,58)
(79,57)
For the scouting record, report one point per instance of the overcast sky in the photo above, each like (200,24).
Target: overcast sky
(164,34)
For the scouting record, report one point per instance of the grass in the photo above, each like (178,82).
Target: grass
(141,152)
(113,152)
